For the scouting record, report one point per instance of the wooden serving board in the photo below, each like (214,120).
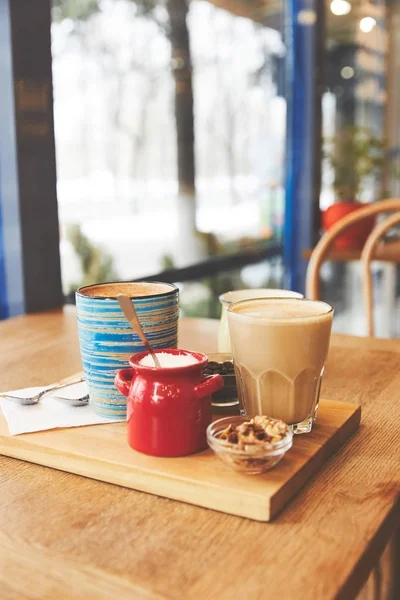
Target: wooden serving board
(101,452)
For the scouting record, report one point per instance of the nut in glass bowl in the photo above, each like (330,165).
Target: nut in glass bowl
(255,455)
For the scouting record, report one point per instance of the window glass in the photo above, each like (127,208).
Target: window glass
(134,83)
(361,132)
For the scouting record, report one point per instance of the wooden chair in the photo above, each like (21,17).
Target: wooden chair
(367,256)
(371,251)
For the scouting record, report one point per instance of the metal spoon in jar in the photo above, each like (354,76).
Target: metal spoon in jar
(130,313)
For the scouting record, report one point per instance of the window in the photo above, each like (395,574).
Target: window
(134,82)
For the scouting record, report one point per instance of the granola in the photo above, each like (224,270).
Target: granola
(250,446)
(260,431)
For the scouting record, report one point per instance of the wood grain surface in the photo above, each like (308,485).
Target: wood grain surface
(63,536)
(102,452)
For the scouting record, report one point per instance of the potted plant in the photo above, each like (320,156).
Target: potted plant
(354,155)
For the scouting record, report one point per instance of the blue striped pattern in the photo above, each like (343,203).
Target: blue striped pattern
(107,341)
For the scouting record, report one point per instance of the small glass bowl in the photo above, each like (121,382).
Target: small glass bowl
(257,460)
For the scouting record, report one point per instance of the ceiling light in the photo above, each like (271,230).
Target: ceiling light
(367,24)
(347,72)
(340,7)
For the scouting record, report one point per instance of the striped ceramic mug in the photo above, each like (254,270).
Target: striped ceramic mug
(107,340)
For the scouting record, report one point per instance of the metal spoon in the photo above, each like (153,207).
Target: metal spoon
(82,401)
(130,313)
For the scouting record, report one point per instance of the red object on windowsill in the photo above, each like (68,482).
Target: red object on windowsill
(169,409)
(354,237)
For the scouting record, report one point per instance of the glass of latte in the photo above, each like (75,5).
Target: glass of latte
(280,346)
(226,299)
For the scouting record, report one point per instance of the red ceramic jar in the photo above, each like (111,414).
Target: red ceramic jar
(168,409)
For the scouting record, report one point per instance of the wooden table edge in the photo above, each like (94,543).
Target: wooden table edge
(376,545)
(336,442)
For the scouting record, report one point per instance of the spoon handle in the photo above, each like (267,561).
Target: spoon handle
(130,313)
(61,385)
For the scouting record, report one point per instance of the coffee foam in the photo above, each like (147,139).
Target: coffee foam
(134,290)
(249,294)
(281,310)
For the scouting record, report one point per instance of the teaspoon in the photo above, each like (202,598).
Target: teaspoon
(130,313)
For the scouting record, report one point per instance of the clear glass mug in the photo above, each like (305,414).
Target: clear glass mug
(224,342)
(280,347)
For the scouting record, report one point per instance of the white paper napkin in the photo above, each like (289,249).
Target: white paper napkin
(49,413)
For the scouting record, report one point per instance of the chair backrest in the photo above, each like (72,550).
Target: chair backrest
(367,256)
(321,249)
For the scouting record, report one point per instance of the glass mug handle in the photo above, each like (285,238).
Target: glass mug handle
(224,341)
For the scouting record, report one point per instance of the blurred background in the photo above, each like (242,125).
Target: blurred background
(213,141)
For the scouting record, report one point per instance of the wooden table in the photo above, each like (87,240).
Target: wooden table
(67,537)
